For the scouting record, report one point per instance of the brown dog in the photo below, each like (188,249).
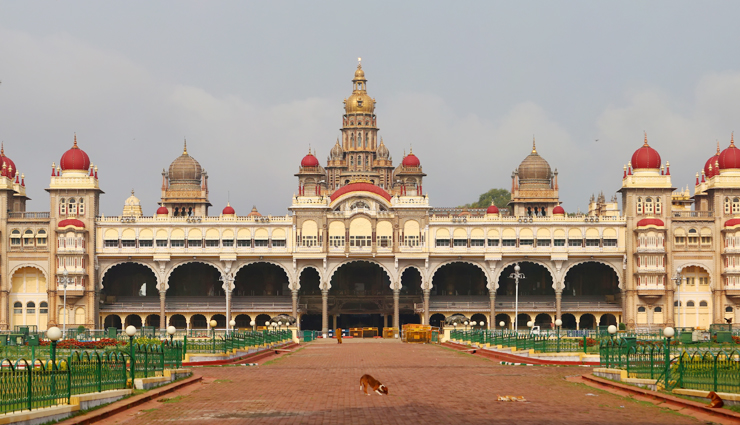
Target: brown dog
(338,333)
(716,400)
(368,381)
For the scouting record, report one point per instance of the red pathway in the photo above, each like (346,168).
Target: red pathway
(319,384)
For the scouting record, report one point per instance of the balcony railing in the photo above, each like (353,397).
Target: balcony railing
(692,214)
(28,215)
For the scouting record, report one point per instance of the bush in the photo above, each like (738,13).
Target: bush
(80,329)
(622,327)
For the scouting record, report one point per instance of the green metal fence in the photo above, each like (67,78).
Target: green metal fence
(25,385)
(544,343)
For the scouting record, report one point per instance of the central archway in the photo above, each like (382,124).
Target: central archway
(360,296)
(195,280)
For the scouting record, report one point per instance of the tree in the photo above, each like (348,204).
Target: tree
(499,197)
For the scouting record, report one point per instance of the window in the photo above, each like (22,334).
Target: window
(197,243)
(675,303)
(359,241)
(693,237)
(128,243)
(727,206)
(81,207)
(43,307)
(575,242)
(278,243)
(383,241)
(680,240)
(261,243)
(243,242)
(735,205)
(649,206)
(336,241)
(657,206)
(309,240)
(15,237)
(72,208)
(610,242)
(526,242)
(703,304)
(477,242)
(161,243)
(110,243)
(559,242)
(17,307)
(441,243)
(641,309)
(706,240)
(543,242)
(689,304)
(62,207)
(658,309)
(493,242)
(508,242)
(459,242)
(212,243)
(41,237)
(30,308)
(592,242)
(411,240)
(227,242)
(28,237)
(728,309)
(703,281)
(177,243)
(639,206)
(147,243)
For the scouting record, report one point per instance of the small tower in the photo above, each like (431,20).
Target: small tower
(185,187)
(534,187)
(132,206)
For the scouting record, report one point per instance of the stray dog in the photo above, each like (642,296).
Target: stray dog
(716,400)
(368,381)
(510,398)
(338,333)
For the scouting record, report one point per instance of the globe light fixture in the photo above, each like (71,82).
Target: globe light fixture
(558,323)
(130,330)
(612,329)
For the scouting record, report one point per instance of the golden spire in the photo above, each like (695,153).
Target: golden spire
(185,147)
(2,148)
(732,140)
(359,63)
(534,147)
(646,143)
(717,147)
(75,145)
(132,192)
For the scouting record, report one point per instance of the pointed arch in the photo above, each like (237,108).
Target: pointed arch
(297,283)
(327,283)
(107,268)
(690,263)
(500,270)
(606,263)
(33,266)
(472,263)
(173,268)
(275,263)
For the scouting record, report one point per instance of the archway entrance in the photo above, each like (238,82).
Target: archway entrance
(195,280)
(128,280)
(360,296)
(261,279)
(459,279)
(536,285)
(592,281)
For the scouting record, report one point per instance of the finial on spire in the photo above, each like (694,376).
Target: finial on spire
(732,139)
(185,147)
(2,148)
(717,147)
(646,143)
(75,145)
(132,192)
(359,63)
(534,147)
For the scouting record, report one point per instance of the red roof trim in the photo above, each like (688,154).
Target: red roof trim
(650,222)
(71,222)
(732,222)
(360,187)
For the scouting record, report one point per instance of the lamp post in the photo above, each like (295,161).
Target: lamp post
(612,330)
(213,324)
(131,331)
(558,324)
(530,325)
(232,323)
(53,334)
(516,276)
(65,280)
(677,280)
(253,324)
(171,332)
(668,333)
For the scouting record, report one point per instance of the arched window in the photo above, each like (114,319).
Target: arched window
(639,206)
(727,206)
(43,307)
(81,207)
(736,205)
(72,208)
(15,237)
(62,207)
(675,303)
(30,308)
(41,237)
(641,309)
(28,237)
(689,304)
(352,140)
(703,304)
(728,309)
(658,309)
(649,206)
(17,307)
(657,206)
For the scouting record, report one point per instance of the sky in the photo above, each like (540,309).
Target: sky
(252,85)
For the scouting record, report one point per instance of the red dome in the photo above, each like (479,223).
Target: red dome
(730,157)
(229,210)
(309,161)
(75,159)
(645,157)
(9,164)
(713,162)
(360,187)
(558,210)
(163,210)
(732,222)
(411,160)
(71,222)
(492,210)
(650,222)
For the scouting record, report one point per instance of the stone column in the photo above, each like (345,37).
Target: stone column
(558,302)
(228,307)
(396,309)
(4,311)
(426,307)
(669,317)
(294,295)
(325,312)
(492,320)
(162,322)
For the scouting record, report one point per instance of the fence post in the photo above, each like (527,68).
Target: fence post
(29,370)
(714,374)
(584,344)
(99,372)
(184,346)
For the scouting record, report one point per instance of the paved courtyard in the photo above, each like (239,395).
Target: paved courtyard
(319,384)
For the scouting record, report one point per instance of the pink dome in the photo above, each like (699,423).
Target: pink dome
(645,157)
(730,157)
(75,159)
(492,210)
(360,187)
(229,210)
(71,222)
(309,161)
(163,210)
(650,222)
(411,160)
(558,210)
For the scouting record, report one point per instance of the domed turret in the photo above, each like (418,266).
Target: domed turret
(382,151)
(7,162)
(75,159)
(309,160)
(534,169)
(710,168)
(163,211)
(558,211)
(359,101)
(730,157)
(254,212)
(645,157)
(492,210)
(337,152)
(132,206)
(185,170)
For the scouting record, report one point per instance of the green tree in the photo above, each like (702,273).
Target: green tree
(499,197)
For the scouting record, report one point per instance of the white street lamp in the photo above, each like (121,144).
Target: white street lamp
(65,280)
(252,324)
(677,280)
(558,323)
(171,332)
(516,276)
(501,323)
(611,329)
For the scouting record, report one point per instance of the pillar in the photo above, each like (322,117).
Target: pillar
(492,297)
(294,295)
(558,303)
(334,321)
(4,311)
(396,309)
(325,312)
(228,307)
(670,313)
(162,322)
(426,307)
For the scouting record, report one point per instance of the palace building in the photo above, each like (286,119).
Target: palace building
(363,246)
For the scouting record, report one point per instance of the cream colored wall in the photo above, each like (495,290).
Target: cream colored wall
(28,284)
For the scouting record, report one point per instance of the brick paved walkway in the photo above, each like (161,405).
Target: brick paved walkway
(319,384)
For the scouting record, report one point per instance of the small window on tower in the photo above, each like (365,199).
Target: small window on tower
(359,103)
